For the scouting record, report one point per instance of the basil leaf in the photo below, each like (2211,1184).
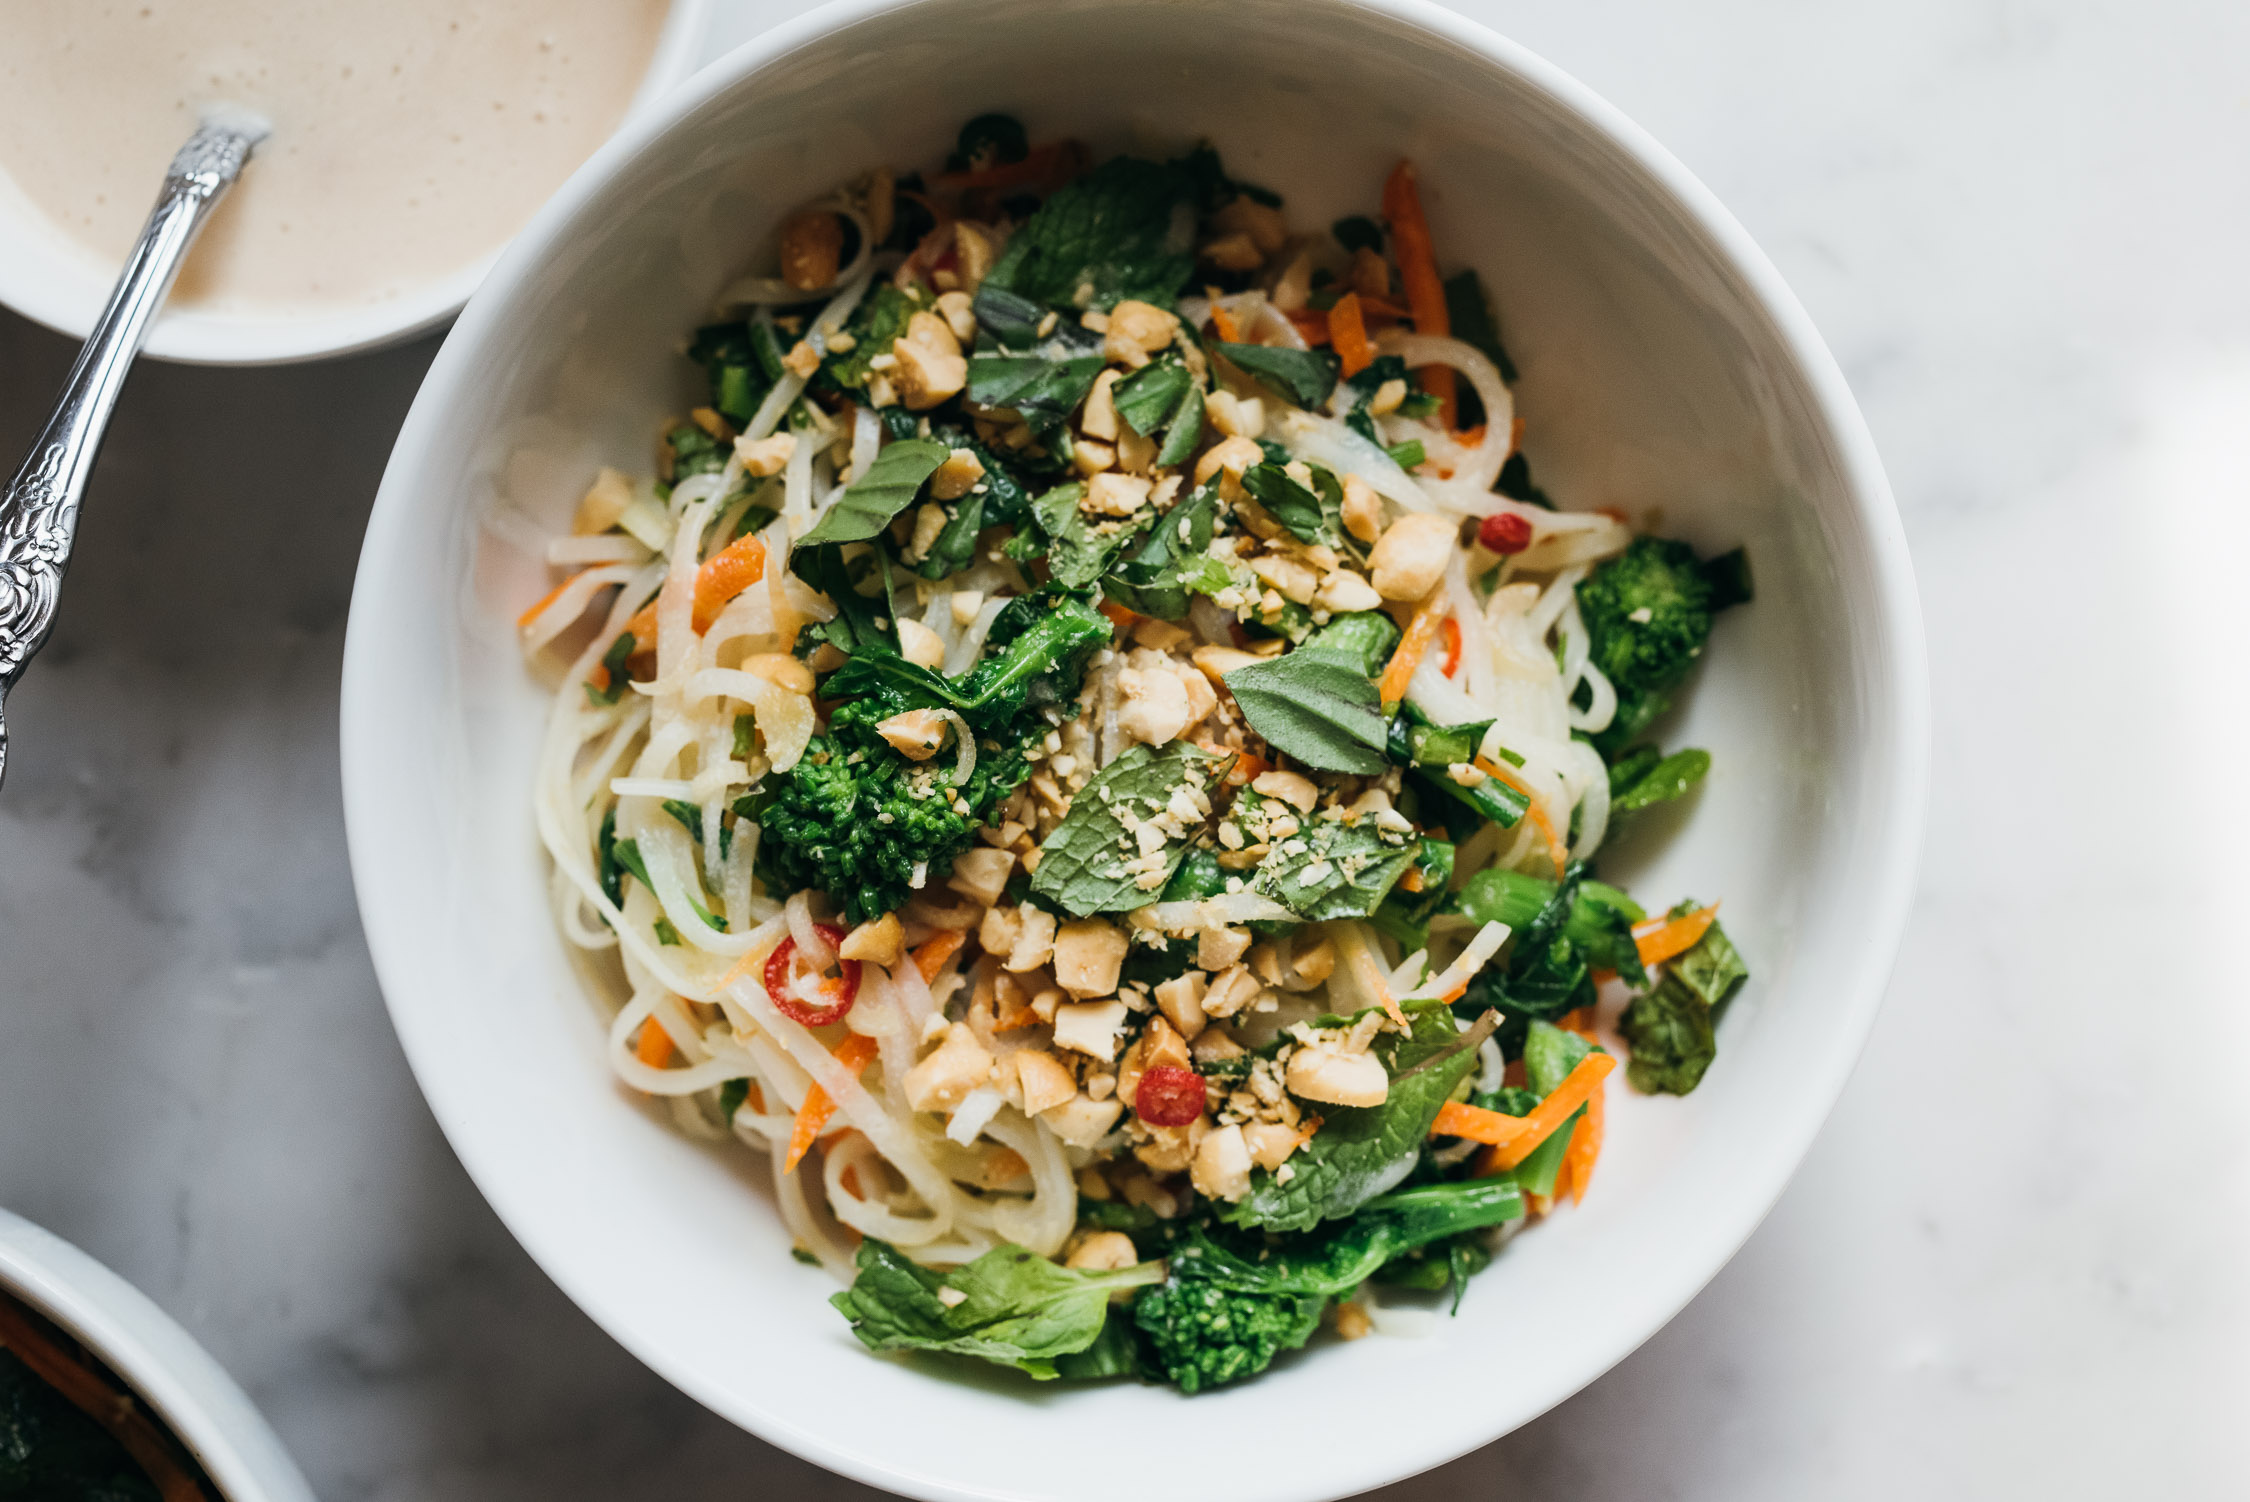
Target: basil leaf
(1154,578)
(1314,705)
(1094,862)
(1362,1151)
(1291,504)
(1673,1030)
(1147,398)
(870,502)
(861,622)
(1078,554)
(1185,429)
(1304,376)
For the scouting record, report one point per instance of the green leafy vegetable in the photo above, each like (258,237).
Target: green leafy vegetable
(1655,781)
(1163,397)
(1367,636)
(1044,377)
(1097,860)
(1124,230)
(1198,1335)
(1648,613)
(613,663)
(1077,553)
(1360,1152)
(1673,1029)
(1154,577)
(1019,1309)
(1310,515)
(694,452)
(1316,705)
(862,622)
(1304,376)
(875,326)
(737,383)
(870,502)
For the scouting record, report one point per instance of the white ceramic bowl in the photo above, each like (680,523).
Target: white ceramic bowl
(1666,369)
(161,1362)
(51,279)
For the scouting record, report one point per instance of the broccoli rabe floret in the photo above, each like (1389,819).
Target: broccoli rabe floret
(1198,1335)
(1648,613)
(857,820)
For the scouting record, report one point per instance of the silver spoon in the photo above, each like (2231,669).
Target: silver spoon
(39,511)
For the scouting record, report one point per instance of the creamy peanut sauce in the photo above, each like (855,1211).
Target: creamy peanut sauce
(410,136)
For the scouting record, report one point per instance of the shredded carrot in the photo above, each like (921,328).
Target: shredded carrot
(1223,324)
(1470,438)
(1124,620)
(1585,1147)
(1660,939)
(1562,1179)
(654,1047)
(855,1053)
(1546,1118)
(1248,766)
(1417,269)
(1556,850)
(1349,334)
(523,622)
(756,1096)
(1420,632)
(849,1178)
(1515,435)
(1017,1021)
(1579,1020)
(1493,1128)
(936,950)
(1452,633)
(725,574)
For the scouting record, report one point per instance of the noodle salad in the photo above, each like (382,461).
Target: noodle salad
(1087,753)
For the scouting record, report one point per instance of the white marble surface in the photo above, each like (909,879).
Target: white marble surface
(2011,1266)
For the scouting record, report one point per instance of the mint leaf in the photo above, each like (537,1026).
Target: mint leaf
(1154,578)
(1124,230)
(870,502)
(1343,870)
(1147,398)
(1359,1152)
(1097,860)
(1020,1310)
(1317,706)
(1078,554)
(1305,376)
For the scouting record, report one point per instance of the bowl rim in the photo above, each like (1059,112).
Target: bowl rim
(224,339)
(179,1381)
(1898,682)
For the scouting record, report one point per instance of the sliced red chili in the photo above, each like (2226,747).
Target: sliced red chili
(841,993)
(1169,1096)
(1505,532)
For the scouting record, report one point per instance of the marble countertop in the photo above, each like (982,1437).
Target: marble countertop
(2012,1265)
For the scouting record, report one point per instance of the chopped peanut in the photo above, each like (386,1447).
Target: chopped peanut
(981,873)
(916,733)
(781,670)
(1034,942)
(1411,556)
(1090,1027)
(802,360)
(1387,397)
(1088,954)
(1363,509)
(926,376)
(1044,1080)
(1145,325)
(1221,948)
(765,456)
(1236,252)
(1112,494)
(1221,1168)
(1090,456)
(1325,1072)
(1082,1120)
(1236,417)
(920,645)
(1344,591)
(1155,707)
(1292,788)
(973,253)
(929,526)
(953,479)
(944,1079)
(1270,1143)
(1180,999)
(1099,418)
(1216,662)
(1103,1252)
(880,942)
(953,307)
(1232,454)
(997,932)
(1263,223)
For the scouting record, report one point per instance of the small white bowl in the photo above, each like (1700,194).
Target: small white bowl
(51,279)
(167,1370)
(1665,369)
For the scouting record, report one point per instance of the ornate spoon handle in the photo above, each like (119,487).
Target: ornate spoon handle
(39,512)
